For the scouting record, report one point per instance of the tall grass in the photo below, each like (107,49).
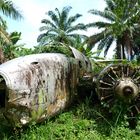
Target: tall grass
(82,121)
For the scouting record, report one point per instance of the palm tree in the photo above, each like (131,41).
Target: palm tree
(4,40)
(8,9)
(4,36)
(10,47)
(60,27)
(120,25)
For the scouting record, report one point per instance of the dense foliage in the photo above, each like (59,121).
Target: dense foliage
(54,48)
(121,25)
(8,9)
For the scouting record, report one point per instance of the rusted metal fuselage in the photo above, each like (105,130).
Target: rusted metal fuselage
(35,87)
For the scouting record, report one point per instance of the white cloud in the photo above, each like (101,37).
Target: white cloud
(32,11)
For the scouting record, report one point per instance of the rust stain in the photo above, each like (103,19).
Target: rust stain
(28,78)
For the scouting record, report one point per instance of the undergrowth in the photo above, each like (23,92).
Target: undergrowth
(85,120)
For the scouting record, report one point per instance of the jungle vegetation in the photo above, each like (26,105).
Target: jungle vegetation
(8,9)
(84,120)
(121,25)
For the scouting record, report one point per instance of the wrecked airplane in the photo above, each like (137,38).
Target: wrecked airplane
(37,86)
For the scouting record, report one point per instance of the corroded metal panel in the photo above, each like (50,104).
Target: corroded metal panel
(38,86)
(84,63)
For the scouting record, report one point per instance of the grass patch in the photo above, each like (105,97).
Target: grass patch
(82,121)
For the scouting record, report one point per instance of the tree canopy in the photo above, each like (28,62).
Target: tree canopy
(121,25)
(60,27)
(8,9)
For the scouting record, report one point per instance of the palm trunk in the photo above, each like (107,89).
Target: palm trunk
(129,52)
(120,50)
(1,55)
(128,46)
(123,53)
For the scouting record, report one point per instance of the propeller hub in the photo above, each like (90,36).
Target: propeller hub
(126,89)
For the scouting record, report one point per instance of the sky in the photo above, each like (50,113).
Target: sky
(34,11)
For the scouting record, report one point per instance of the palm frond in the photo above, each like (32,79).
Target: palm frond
(39,38)
(44,28)
(3,23)
(15,37)
(102,44)
(51,31)
(73,19)
(105,14)
(108,44)
(92,40)
(64,16)
(79,26)
(9,9)
(48,22)
(99,24)
(110,4)
(58,12)
(78,36)
(4,36)
(65,12)
(45,39)
(53,17)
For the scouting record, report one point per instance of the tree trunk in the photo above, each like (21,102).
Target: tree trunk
(123,53)
(118,52)
(1,55)
(128,45)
